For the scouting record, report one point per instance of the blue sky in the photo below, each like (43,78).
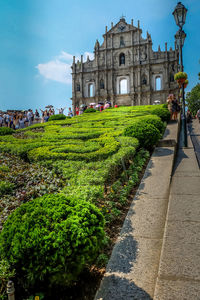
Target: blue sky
(39,37)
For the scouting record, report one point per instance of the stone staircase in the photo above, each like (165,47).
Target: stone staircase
(157,255)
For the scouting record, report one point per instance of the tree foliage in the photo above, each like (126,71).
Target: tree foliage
(193,99)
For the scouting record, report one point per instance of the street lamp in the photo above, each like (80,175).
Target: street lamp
(180,38)
(179,14)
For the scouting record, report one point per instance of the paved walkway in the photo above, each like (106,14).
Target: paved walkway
(179,270)
(157,255)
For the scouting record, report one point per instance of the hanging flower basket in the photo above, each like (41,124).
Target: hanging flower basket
(180,77)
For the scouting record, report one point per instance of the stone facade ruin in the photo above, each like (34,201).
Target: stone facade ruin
(125,70)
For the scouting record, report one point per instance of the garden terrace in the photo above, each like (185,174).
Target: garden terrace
(98,157)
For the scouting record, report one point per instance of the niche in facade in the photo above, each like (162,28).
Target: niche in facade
(122,59)
(78,88)
(101,84)
(144,80)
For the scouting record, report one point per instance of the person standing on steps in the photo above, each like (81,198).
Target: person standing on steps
(198,114)
(175,108)
(169,104)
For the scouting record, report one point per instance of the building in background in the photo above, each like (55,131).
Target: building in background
(125,70)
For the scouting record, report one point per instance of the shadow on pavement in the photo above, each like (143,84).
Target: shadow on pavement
(126,290)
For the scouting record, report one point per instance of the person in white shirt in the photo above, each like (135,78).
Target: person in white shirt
(61,110)
(29,117)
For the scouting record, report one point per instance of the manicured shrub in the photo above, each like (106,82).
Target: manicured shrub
(90,110)
(51,239)
(147,134)
(154,120)
(6,130)
(163,113)
(57,117)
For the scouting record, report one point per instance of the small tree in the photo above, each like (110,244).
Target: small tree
(193,99)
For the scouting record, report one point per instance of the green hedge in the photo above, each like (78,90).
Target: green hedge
(147,134)
(52,238)
(154,120)
(163,113)
(6,130)
(90,110)
(57,117)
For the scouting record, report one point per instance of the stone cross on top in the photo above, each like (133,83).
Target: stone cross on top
(122,18)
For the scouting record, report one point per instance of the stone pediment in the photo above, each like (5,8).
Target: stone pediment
(121,27)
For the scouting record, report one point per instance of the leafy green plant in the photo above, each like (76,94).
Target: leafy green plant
(180,75)
(5,275)
(6,131)
(147,134)
(102,260)
(4,168)
(90,110)
(6,187)
(57,117)
(163,113)
(52,238)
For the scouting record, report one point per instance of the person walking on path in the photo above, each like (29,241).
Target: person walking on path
(198,114)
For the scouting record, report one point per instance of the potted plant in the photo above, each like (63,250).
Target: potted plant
(180,77)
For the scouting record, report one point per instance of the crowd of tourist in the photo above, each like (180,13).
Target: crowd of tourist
(22,119)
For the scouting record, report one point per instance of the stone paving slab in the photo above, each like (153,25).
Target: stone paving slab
(189,186)
(177,290)
(152,223)
(184,208)
(181,252)
(186,161)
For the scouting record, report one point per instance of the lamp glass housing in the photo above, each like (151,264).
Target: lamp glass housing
(180,14)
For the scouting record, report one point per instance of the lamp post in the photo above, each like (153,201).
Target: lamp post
(179,14)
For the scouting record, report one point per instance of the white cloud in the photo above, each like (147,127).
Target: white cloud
(59,69)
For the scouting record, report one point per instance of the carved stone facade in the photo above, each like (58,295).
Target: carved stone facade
(125,70)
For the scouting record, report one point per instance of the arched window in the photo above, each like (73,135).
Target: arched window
(158,83)
(122,59)
(101,84)
(91,90)
(123,86)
